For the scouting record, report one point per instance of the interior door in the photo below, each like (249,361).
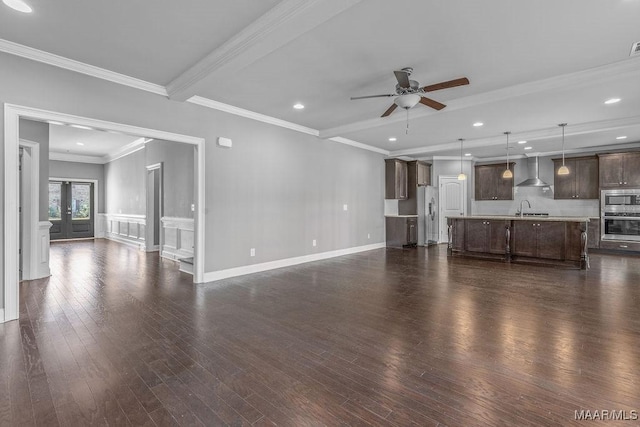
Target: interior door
(71,209)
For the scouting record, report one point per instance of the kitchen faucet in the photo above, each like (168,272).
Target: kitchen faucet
(520,212)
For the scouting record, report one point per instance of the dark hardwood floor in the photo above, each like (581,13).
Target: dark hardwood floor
(388,337)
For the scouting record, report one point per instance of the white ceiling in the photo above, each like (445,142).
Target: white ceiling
(531,65)
(67,140)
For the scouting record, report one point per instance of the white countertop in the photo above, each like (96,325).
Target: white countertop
(401,216)
(526,218)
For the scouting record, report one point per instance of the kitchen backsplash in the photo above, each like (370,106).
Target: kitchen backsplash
(541,200)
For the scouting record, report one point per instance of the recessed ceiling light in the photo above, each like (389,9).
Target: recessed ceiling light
(467,154)
(393,139)
(81,127)
(522,142)
(298,106)
(79,143)
(51,122)
(478,124)
(528,148)
(18,5)
(612,101)
(621,137)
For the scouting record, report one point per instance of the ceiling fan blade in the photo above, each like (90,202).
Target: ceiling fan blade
(403,79)
(431,103)
(445,85)
(389,110)
(373,96)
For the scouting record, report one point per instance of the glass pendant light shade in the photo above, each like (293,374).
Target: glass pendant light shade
(461,176)
(563,170)
(507,174)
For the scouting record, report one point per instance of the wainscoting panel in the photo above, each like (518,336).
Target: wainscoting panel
(43,250)
(177,237)
(101,226)
(128,229)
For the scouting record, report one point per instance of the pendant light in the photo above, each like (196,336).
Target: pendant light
(563,170)
(462,176)
(507,174)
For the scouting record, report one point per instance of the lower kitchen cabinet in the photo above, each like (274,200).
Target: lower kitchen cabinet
(486,236)
(401,231)
(539,239)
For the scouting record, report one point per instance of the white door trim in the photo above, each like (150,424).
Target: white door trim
(150,224)
(31,212)
(12,115)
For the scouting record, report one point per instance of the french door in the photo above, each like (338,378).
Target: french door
(71,207)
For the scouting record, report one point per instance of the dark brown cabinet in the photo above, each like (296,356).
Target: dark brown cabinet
(593,233)
(539,239)
(395,179)
(486,236)
(582,181)
(619,170)
(401,231)
(423,174)
(489,183)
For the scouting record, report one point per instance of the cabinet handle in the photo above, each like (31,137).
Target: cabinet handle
(624,246)
(620,183)
(625,183)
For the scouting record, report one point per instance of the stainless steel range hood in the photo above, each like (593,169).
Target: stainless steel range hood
(534,170)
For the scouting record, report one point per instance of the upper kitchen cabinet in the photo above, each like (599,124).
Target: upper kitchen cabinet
(490,185)
(395,179)
(423,171)
(620,170)
(582,181)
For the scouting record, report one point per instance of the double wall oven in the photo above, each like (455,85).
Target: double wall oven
(620,214)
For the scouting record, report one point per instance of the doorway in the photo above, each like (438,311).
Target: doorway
(71,210)
(11,223)
(453,197)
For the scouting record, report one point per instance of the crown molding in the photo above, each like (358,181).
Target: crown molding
(357,144)
(616,70)
(76,158)
(130,148)
(216,105)
(266,34)
(220,106)
(79,67)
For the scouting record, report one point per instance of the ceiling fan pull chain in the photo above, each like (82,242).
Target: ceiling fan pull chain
(407,130)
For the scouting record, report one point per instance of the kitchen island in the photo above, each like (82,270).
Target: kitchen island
(546,240)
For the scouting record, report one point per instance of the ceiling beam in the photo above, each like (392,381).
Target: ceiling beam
(285,22)
(615,71)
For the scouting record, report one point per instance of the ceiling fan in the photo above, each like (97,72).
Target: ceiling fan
(409,93)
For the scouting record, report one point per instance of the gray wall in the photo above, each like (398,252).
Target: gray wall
(39,132)
(125,185)
(178,175)
(80,171)
(275,190)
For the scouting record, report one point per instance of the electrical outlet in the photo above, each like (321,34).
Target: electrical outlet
(193,207)
(345,207)
(314,242)
(253,251)
(368,236)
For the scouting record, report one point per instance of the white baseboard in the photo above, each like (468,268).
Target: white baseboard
(271,265)
(133,243)
(1,315)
